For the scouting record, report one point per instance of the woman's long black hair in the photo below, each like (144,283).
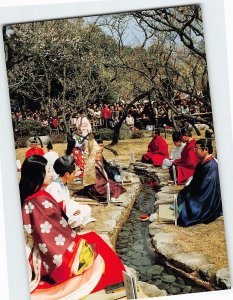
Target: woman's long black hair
(32,176)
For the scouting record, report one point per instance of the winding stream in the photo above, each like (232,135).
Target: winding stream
(134,248)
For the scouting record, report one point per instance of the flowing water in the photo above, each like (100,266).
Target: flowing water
(134,248)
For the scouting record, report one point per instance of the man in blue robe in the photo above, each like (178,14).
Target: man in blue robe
(200,201)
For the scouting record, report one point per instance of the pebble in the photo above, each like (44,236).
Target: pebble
(156,270)
(168,278)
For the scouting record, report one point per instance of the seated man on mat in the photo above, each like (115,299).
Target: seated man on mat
(185,166)
(157,150)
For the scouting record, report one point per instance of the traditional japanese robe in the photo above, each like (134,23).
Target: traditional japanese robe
(61,194)
(157,151)
(98,190)
(186,165)
(61,263)
(84,124)
(200,201)
(78,156)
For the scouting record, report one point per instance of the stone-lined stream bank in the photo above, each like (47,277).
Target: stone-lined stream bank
(119,226)
(193,264)
(135,249)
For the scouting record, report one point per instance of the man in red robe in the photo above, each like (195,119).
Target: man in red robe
(35,149)
(185,165)
(157,150)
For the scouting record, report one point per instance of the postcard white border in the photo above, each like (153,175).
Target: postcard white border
(13,267)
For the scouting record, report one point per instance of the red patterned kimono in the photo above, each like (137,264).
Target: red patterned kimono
(186,165)
(157,151)
(61,262)
(79,160)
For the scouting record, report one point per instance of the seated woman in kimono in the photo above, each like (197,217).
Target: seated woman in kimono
(61,263)
(95,177)
(200,201)
(78,214)
(157,150)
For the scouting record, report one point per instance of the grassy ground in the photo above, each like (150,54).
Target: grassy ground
(124,148)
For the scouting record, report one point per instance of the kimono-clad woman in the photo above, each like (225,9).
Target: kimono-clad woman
(62,264)
(95,177)
(200,201)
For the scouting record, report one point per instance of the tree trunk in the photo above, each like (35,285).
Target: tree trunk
(117,128)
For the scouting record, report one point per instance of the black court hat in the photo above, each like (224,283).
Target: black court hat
(64,164)
(49,145)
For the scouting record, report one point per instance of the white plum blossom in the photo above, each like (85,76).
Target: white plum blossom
(47,204)
(73,234)
(29,208)
(57,259)
(71,247)
(43,248)
(45,227)
(63,222)
(28,228)
(60,240)
(46,266)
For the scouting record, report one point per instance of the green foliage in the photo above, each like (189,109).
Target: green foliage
(104,134)
(31,127)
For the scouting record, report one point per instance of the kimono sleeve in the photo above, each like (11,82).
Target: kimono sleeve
(50,232)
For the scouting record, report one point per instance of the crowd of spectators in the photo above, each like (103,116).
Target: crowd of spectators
(139,116)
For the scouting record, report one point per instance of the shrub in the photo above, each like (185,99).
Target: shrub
(104,134)
(32,127)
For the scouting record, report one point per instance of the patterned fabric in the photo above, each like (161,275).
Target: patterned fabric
(76,265)
(54,238)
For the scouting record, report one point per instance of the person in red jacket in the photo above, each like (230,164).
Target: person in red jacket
(35,149)
(185,165)
(106,115)
(157,150)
